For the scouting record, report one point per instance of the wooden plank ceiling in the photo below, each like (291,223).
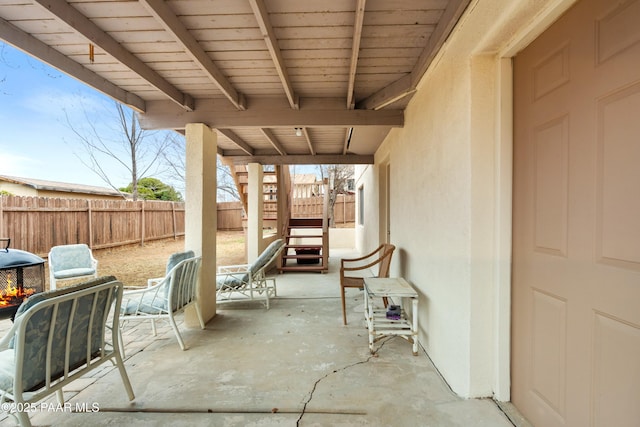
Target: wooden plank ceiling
(282,81)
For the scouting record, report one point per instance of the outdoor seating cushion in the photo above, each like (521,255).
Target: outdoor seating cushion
(41,296)
(156,302)
(73,272)
(148,303)
(71,261)
(38,331)
(265,256)
(232,280)
(239,279)
(176,258)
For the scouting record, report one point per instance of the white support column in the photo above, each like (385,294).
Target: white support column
(254,216)
(200,212)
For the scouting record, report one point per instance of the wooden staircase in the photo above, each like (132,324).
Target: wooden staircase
(306,239)
(270,184)
(306,245)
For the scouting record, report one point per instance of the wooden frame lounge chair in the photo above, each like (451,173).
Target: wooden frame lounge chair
(354,270)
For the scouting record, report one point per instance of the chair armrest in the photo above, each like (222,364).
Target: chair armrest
(155,281)
(362,258)
(239,268)
(136,291)
(6,339)
(361,267)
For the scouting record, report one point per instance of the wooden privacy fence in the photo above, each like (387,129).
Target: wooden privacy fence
(35,224)
(344,210)
(230,216)
(230,213)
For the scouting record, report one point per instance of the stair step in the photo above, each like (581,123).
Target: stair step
(304,227)
(306,256)
(303,246)
(303,268)
(301,222)
(303,236)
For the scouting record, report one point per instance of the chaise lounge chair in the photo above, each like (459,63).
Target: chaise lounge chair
(249,281)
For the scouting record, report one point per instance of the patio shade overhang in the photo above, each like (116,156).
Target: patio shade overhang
(282,81)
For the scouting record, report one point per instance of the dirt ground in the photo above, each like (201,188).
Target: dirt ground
(134,264)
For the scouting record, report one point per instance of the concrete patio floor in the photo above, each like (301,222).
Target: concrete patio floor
(295,364)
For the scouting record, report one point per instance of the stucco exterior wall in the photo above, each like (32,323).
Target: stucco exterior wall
(449,188)
(367,235)
(18,189)
(25,190)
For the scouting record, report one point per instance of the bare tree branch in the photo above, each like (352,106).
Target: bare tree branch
(137,151)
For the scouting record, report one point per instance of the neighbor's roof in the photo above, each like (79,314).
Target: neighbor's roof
(305,178)
(40,184)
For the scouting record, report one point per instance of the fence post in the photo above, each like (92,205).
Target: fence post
(142,222)
(344,209)
(1,216)
(175,226)
(90,222)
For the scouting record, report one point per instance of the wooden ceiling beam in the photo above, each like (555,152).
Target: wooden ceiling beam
(407,85)
(273,141)
(449,19)
(236,140)
(318,159)
(163,115)
(42,52)
(262,16)
(161,11)
(347,140)
(355,51)
(305,132)
(389,94)
(83,25)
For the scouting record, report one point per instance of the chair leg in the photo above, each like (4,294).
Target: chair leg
(124,376)
(121,341)
(60,396)
(153,327)
(344,307)
(177,332)
(23,419)
(199,315)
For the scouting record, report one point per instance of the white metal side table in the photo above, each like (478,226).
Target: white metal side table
(397,290)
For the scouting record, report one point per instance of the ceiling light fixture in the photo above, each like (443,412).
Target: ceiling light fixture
(298,132)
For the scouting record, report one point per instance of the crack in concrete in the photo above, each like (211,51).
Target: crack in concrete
(335,371)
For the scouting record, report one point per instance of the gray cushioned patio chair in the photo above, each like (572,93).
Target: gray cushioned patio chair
(166,296)
(59,336)
(68,262)
(249,281)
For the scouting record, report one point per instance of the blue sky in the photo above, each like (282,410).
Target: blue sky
(35,139)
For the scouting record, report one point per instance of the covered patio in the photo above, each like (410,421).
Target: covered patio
(495,144)
(295,364)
